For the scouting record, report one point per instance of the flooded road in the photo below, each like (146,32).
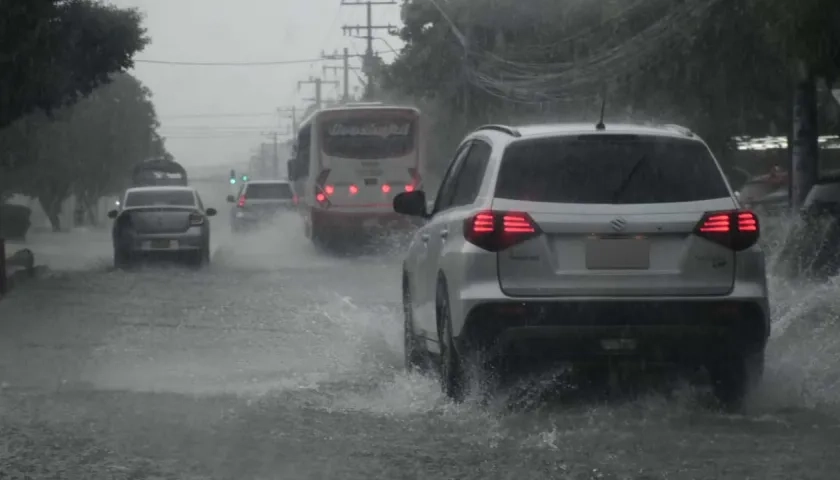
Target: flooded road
(280,362)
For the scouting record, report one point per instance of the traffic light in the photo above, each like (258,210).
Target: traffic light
(233,177)
(244,177)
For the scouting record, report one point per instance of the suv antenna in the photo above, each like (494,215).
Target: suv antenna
(600,125)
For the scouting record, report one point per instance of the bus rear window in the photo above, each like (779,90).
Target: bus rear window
(368,138)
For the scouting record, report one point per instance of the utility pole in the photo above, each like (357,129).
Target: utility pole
(275,170)
(805,148)
(369,65)
(346,68)
(318,82)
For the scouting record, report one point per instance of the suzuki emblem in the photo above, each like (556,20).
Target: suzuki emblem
(618,224)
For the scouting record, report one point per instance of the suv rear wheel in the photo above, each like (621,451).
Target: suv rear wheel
(735,377)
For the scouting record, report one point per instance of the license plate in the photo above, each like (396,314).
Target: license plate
(618,344)
(618,254)
(162,244)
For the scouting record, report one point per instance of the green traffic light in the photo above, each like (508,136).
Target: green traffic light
(244,178)
(232,181)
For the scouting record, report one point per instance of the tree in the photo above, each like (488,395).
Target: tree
(720,68)
(88,149)
(53,52)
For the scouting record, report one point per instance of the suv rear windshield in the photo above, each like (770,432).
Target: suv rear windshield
(609,169)
(268,191)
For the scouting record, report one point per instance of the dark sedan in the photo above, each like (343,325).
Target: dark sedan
(258,201)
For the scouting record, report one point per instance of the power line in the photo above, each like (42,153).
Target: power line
(220,115)
(233,64)
(228,64)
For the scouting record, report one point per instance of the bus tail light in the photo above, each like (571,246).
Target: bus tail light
(415,179)
(322,191)
(409,188)
(386,188)
(353,189)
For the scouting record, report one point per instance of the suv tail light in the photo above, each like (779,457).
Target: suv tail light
(196,219)
(736,229)
(241,202)
(497,231)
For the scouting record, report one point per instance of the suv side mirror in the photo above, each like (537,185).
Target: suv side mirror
(411,203)
(113,214)
(230,199)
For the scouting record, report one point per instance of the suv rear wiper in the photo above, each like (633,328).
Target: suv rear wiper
(621,188)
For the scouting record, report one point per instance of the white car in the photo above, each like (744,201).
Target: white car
(585,243)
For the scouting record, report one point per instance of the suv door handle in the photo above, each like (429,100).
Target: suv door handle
(444,233)
(424,237)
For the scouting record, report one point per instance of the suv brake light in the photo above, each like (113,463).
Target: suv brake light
(736,229)
(241,202)
(496,231)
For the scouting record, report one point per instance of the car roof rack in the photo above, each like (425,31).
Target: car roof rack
(500,128)
(679,129)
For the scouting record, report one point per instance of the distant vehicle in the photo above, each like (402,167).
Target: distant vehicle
(159,172)
(767,193)
(164,221)
(258,201)
(350,162)
(585,245)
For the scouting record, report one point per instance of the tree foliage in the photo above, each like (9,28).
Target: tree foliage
(721,68)
(52,52)
(87,150)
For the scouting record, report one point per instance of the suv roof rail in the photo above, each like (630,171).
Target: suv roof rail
(501,128)
(679,129)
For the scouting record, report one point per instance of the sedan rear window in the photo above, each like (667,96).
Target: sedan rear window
(268,191)
(609,169)
(150,198)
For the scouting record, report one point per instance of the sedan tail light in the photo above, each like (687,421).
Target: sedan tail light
(241,202)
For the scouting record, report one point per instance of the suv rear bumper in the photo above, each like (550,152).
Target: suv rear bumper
(657,330)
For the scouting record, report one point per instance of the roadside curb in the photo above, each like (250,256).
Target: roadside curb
(18,277)
(17,269)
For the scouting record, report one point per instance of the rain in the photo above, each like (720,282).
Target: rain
(258,343)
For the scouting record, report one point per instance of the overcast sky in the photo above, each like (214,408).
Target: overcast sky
(187,97)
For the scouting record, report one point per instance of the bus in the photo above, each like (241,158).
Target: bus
(349,162)
(158,172)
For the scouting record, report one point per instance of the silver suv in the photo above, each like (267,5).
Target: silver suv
(585,243)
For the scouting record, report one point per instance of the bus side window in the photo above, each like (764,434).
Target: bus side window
(303,148)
